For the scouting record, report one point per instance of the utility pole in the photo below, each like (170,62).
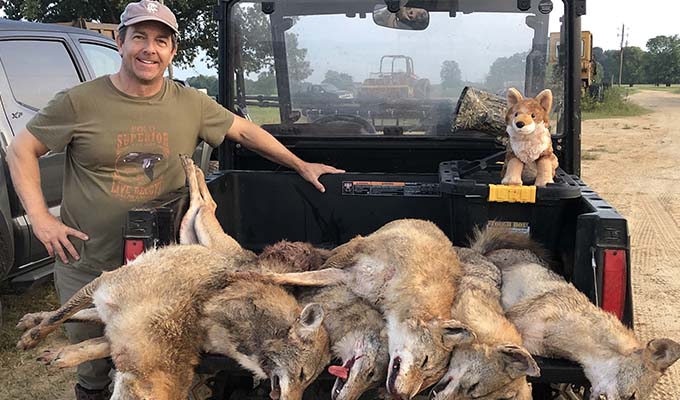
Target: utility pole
(623,35)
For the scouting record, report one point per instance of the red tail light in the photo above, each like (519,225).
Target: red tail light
(132,249)
(615,282)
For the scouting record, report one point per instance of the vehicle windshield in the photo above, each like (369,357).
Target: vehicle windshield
(354,67)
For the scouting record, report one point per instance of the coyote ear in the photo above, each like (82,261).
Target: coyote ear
(311,318)
(663,353)
(454,333)
(514,96)
(545,99)
(518,361)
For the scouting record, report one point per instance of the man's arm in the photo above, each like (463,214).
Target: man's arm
(22,157)
(257,139)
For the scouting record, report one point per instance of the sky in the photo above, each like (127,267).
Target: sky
(643,20)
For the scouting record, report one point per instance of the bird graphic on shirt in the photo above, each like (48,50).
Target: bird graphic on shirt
(147,160)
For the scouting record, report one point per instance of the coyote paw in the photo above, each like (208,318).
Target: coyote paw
(31,338)
(31,320)
(50,357)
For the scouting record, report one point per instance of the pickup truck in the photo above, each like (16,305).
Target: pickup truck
(37,61)
(410,164)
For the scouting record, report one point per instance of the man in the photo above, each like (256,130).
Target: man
(123,134)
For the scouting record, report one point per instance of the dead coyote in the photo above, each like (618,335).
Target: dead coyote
(410,271)
(495,365)
(357,331)
(166,306)
(556,320)
(358,337)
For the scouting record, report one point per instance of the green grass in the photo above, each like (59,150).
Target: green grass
(615,103)
(264,115)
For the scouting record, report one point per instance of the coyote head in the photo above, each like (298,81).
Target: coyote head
(633,376)
(365,359)
(294,360)
(420,353)
(478,371)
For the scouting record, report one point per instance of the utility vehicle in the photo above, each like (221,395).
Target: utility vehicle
(403,156)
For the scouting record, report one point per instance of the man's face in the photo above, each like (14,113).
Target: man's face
(146,51)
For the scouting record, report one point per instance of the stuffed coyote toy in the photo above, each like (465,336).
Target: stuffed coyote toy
(530,156)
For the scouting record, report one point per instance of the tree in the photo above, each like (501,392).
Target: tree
(451,75)
(340,80)
(197,27)
(507,71)
(204,82)
(633,65)
(610,66)
(663,63)
(265,84)
(198,30)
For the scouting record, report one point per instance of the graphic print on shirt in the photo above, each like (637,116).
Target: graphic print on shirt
(141,160)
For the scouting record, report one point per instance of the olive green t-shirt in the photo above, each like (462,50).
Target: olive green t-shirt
(121,151)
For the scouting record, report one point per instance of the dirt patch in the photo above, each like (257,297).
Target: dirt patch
(636,171)
(21,377)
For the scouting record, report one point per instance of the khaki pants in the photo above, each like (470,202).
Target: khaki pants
(93,375)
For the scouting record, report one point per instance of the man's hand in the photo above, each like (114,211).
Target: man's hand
(54,236)
(312,171)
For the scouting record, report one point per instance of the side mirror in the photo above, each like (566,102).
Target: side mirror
(407,18)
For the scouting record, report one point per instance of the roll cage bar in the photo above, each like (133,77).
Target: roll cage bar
(568,141)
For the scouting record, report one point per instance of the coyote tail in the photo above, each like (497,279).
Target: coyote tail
(489,240)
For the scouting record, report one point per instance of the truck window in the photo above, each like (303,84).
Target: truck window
(103,60)
(37,69)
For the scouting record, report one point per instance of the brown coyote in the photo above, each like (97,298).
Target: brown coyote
(358,336)
(495,365)
(556,320)
(167,305)
(409,270)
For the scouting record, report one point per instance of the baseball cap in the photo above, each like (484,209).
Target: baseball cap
(148,10)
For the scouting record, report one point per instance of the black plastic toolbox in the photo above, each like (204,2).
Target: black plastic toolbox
(475,197)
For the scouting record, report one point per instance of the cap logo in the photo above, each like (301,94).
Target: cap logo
(152,8)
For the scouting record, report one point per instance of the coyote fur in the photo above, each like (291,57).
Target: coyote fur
(166,306)
(409,270)
(495,365)
(529,156)
(356,330)
(556,320)
(358,337)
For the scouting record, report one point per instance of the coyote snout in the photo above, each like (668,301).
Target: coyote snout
(420,355)
(483,372)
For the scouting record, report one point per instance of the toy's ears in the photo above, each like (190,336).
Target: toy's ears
(514,96)
(545,99)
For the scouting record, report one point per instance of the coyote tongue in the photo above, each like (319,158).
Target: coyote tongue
(342,372)
(339,371)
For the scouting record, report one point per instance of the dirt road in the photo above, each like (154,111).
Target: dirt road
(633,163)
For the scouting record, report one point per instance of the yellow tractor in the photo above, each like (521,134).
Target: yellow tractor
(396,79)
(588,64)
